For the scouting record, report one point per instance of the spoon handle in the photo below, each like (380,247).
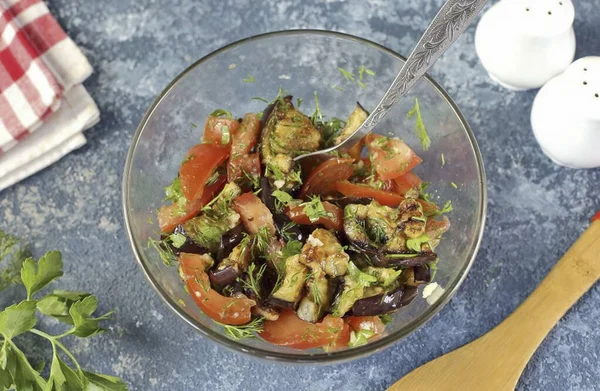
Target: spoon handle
(450,22)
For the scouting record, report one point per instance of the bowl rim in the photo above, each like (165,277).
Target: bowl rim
(320,357)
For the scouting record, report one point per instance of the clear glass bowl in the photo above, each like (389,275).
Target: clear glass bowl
(303,62)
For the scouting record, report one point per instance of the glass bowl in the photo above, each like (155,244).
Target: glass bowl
(302,62)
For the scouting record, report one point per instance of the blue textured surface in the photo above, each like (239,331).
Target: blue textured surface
(536,209)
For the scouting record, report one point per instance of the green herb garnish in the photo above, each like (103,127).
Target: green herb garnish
(299,102)
(453,185)
(359,276)
(13,253)
(284,231)
(415,244)
(260,99)
(221,113)
(443,160)
(317,116)
(177,239)
(249,79)
(72,308)
(419,125)
(282,199)
(253,280)
(173,191)
(386,319)
(165,252)
(359,338)
(291,248)
(348,75)
(314,209)
(245,331)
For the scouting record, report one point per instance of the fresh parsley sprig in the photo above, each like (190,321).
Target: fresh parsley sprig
(419,126)
(75,309)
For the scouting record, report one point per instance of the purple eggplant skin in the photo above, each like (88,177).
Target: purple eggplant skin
(410,293)
(278,303)
(379,304)
(229,240)
(224,276)
(422,274)
(293,231)
(266,194)
(188,247)
(418,260)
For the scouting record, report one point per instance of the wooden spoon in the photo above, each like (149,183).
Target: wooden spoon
(496,360)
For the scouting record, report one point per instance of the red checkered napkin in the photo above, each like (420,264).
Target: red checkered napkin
(38,65)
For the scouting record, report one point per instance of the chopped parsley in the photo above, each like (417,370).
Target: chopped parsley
(314,209)
(443,160)
(165,252)
(173,191)
(338,88)
(419,125)
(177,239)
(359,276)
(249,79)
(415,244)
(359,338)
(317,116)
(291,248)
(260,99)
(282,199)
(386,319)
(299,102)
(453,185)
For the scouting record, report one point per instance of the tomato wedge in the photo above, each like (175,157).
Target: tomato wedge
(199,164)
(334,220)
(170,216)
(214,127)
(391,157)
(371,323)
(322,179)
(241,166)
(254,213)
(597,217)
(406,182)
(293,332)
(227,310)
(245,137)
(384,197)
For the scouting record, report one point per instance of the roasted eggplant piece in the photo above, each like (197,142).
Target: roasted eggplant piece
(422,274)
(232,266)
(411,218)
(355,285)
(407,260)
(290,291)
(356,118)
(318,296)
(342,202)
(229,240)
(410,293)
(385,276)
(207,228)
(322,247)
(379,304)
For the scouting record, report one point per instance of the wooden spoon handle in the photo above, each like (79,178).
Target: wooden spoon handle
(496,360)
(516,339)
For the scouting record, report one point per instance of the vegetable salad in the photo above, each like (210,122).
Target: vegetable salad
(309,254)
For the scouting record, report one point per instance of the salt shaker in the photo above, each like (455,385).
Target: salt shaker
(524,43)
(566,115)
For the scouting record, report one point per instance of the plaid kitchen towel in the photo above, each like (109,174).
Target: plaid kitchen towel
(41,71)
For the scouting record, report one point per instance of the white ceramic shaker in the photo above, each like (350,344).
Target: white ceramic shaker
(566,115)
(524,43)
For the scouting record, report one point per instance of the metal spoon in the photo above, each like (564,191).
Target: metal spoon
(450,22)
